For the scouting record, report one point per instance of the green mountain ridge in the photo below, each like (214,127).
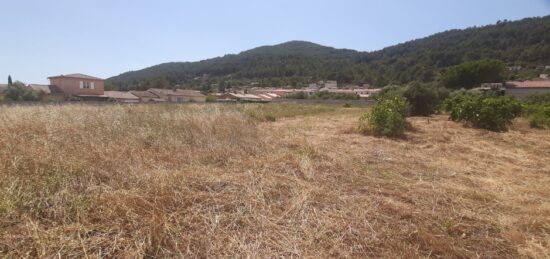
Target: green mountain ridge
(525,42)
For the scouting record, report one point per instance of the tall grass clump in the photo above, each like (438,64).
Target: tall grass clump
(272,112)
(113,180)
(480,111)
(386,118)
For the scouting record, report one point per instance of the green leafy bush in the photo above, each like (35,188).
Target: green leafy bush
(539,99)
(391,91)
(537,111)
(424,99)
(325,95)
(540,119)
(387,118)
(492,113)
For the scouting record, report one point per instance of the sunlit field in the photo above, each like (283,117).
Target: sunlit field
(257,181)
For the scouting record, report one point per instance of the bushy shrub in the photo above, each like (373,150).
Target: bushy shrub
(387,118)
(19,92)
(325,95)
(424,99)
(391,91)
(539,99)
(540,119)
(538,113)
(492,113)
(456,100)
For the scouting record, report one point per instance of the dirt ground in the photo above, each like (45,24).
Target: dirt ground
(445,191)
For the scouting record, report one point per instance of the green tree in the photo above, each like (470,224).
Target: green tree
(9,80)
(19,92)
(424,99)
(472,74)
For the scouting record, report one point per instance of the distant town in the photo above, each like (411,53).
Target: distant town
(81,87)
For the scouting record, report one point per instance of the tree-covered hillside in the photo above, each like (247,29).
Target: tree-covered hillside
(523,43)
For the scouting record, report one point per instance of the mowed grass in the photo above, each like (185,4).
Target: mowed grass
(265,181)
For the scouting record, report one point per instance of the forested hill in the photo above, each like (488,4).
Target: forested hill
(523,43)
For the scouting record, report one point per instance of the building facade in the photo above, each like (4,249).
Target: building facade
(523,89)
(79,84)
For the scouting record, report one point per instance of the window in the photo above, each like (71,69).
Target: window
(86,85)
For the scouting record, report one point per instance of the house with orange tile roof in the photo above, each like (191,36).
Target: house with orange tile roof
(122,97)
(178,95)
(523,89)
(146,96)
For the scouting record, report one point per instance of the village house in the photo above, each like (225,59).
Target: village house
(122,97)
(523,89)
(267,96)
(363,91)
(366,93)
(329,84)
(278,92)
(242,98)
(80,85)
(178,95)
(313,86)
(146,96)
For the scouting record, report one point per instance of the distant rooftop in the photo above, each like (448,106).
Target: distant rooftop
(82,76)
(144,94)
(537,83)
(120,95)
(175,92)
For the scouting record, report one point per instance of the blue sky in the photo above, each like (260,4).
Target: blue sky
(108,37)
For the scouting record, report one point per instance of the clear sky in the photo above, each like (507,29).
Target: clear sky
(108,37)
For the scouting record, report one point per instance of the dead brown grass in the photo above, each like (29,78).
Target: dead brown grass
(212,181)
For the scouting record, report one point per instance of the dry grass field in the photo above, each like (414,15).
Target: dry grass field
(257,181)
